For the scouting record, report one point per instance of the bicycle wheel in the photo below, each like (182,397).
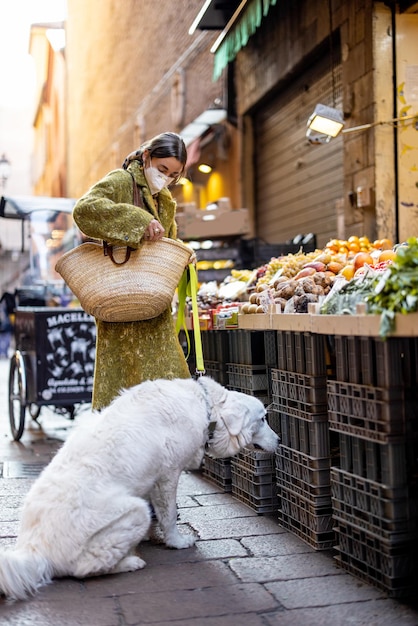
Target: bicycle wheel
(17,395)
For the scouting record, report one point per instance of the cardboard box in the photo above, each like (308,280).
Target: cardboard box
(202,224)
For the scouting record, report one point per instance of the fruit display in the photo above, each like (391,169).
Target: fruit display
(337,278)
(295,280)
(387,288)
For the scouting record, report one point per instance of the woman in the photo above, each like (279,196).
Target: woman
(129,352)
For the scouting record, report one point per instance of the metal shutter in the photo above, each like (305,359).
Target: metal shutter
(297,185)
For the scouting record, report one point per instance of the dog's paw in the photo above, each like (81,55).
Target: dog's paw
(180,541)
(129,564)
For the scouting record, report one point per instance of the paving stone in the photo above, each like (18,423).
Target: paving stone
(372,613)
(196,603)
(322,591)
(238,527)
(263,569)
(247,619)
(203,514)
(279,544)
(168,576)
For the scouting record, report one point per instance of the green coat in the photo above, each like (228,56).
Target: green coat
(128,353)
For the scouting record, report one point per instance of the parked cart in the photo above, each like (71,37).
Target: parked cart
(53,361)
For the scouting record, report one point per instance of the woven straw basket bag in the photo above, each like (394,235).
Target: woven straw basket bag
(135,285)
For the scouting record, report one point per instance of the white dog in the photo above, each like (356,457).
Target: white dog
(89,509)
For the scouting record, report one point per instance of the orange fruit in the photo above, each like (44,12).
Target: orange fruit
(348,271)
(354,246)
(364,242)
(361,258)
(334,245)
(387,255)
(385,244)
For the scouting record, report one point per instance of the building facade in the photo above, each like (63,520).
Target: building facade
(133,70)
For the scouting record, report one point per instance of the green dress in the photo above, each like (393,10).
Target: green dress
(128,353)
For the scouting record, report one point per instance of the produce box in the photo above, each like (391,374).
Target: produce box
(291,321)
(362,325)
(255,321)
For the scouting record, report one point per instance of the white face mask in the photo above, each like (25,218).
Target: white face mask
(156,180)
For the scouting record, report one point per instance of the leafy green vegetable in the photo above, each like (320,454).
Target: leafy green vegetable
(396,290)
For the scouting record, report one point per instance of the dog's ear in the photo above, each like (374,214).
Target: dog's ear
(233,415)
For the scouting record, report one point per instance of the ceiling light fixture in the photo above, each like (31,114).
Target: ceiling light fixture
(205,168)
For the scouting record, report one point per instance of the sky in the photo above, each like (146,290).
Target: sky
(17,89)
(16,69)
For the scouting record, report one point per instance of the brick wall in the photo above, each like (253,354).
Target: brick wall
(123,59)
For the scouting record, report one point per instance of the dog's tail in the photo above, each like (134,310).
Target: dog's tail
(22,573)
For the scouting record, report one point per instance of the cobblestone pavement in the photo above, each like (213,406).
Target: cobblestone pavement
(245,569)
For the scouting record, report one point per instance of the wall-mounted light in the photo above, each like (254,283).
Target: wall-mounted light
(205,168)
(325,123)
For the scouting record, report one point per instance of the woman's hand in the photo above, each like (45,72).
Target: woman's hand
(154,231)
(193,259)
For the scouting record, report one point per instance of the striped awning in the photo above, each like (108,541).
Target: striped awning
(236,34)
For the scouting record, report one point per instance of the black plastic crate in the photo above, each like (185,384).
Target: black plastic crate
(217,371)
(260,497)
(309,436)
(313,524)
(296,393)
(254,480)
(303,475)
(301,352)
(373,413)
(218,471)
(215,345)
(370,505)
(248,378)
(270,348)
(385,463)
(387,562)
(374,361)
(246,347)
(255,461)
(273,418)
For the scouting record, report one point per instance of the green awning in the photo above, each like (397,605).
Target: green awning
(240,33)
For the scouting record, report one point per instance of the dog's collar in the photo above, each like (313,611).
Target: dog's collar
(212,425)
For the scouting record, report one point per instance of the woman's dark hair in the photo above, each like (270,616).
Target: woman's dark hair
(162,146)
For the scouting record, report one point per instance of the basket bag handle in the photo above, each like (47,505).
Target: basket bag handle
(108,249)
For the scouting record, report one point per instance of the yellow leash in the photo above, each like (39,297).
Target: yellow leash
(188,288)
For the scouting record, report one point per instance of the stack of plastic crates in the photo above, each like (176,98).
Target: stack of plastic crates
(253,480)
(373,406)
(218,471)
(303,461)
(251,354)
(247,367)
(215,347)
